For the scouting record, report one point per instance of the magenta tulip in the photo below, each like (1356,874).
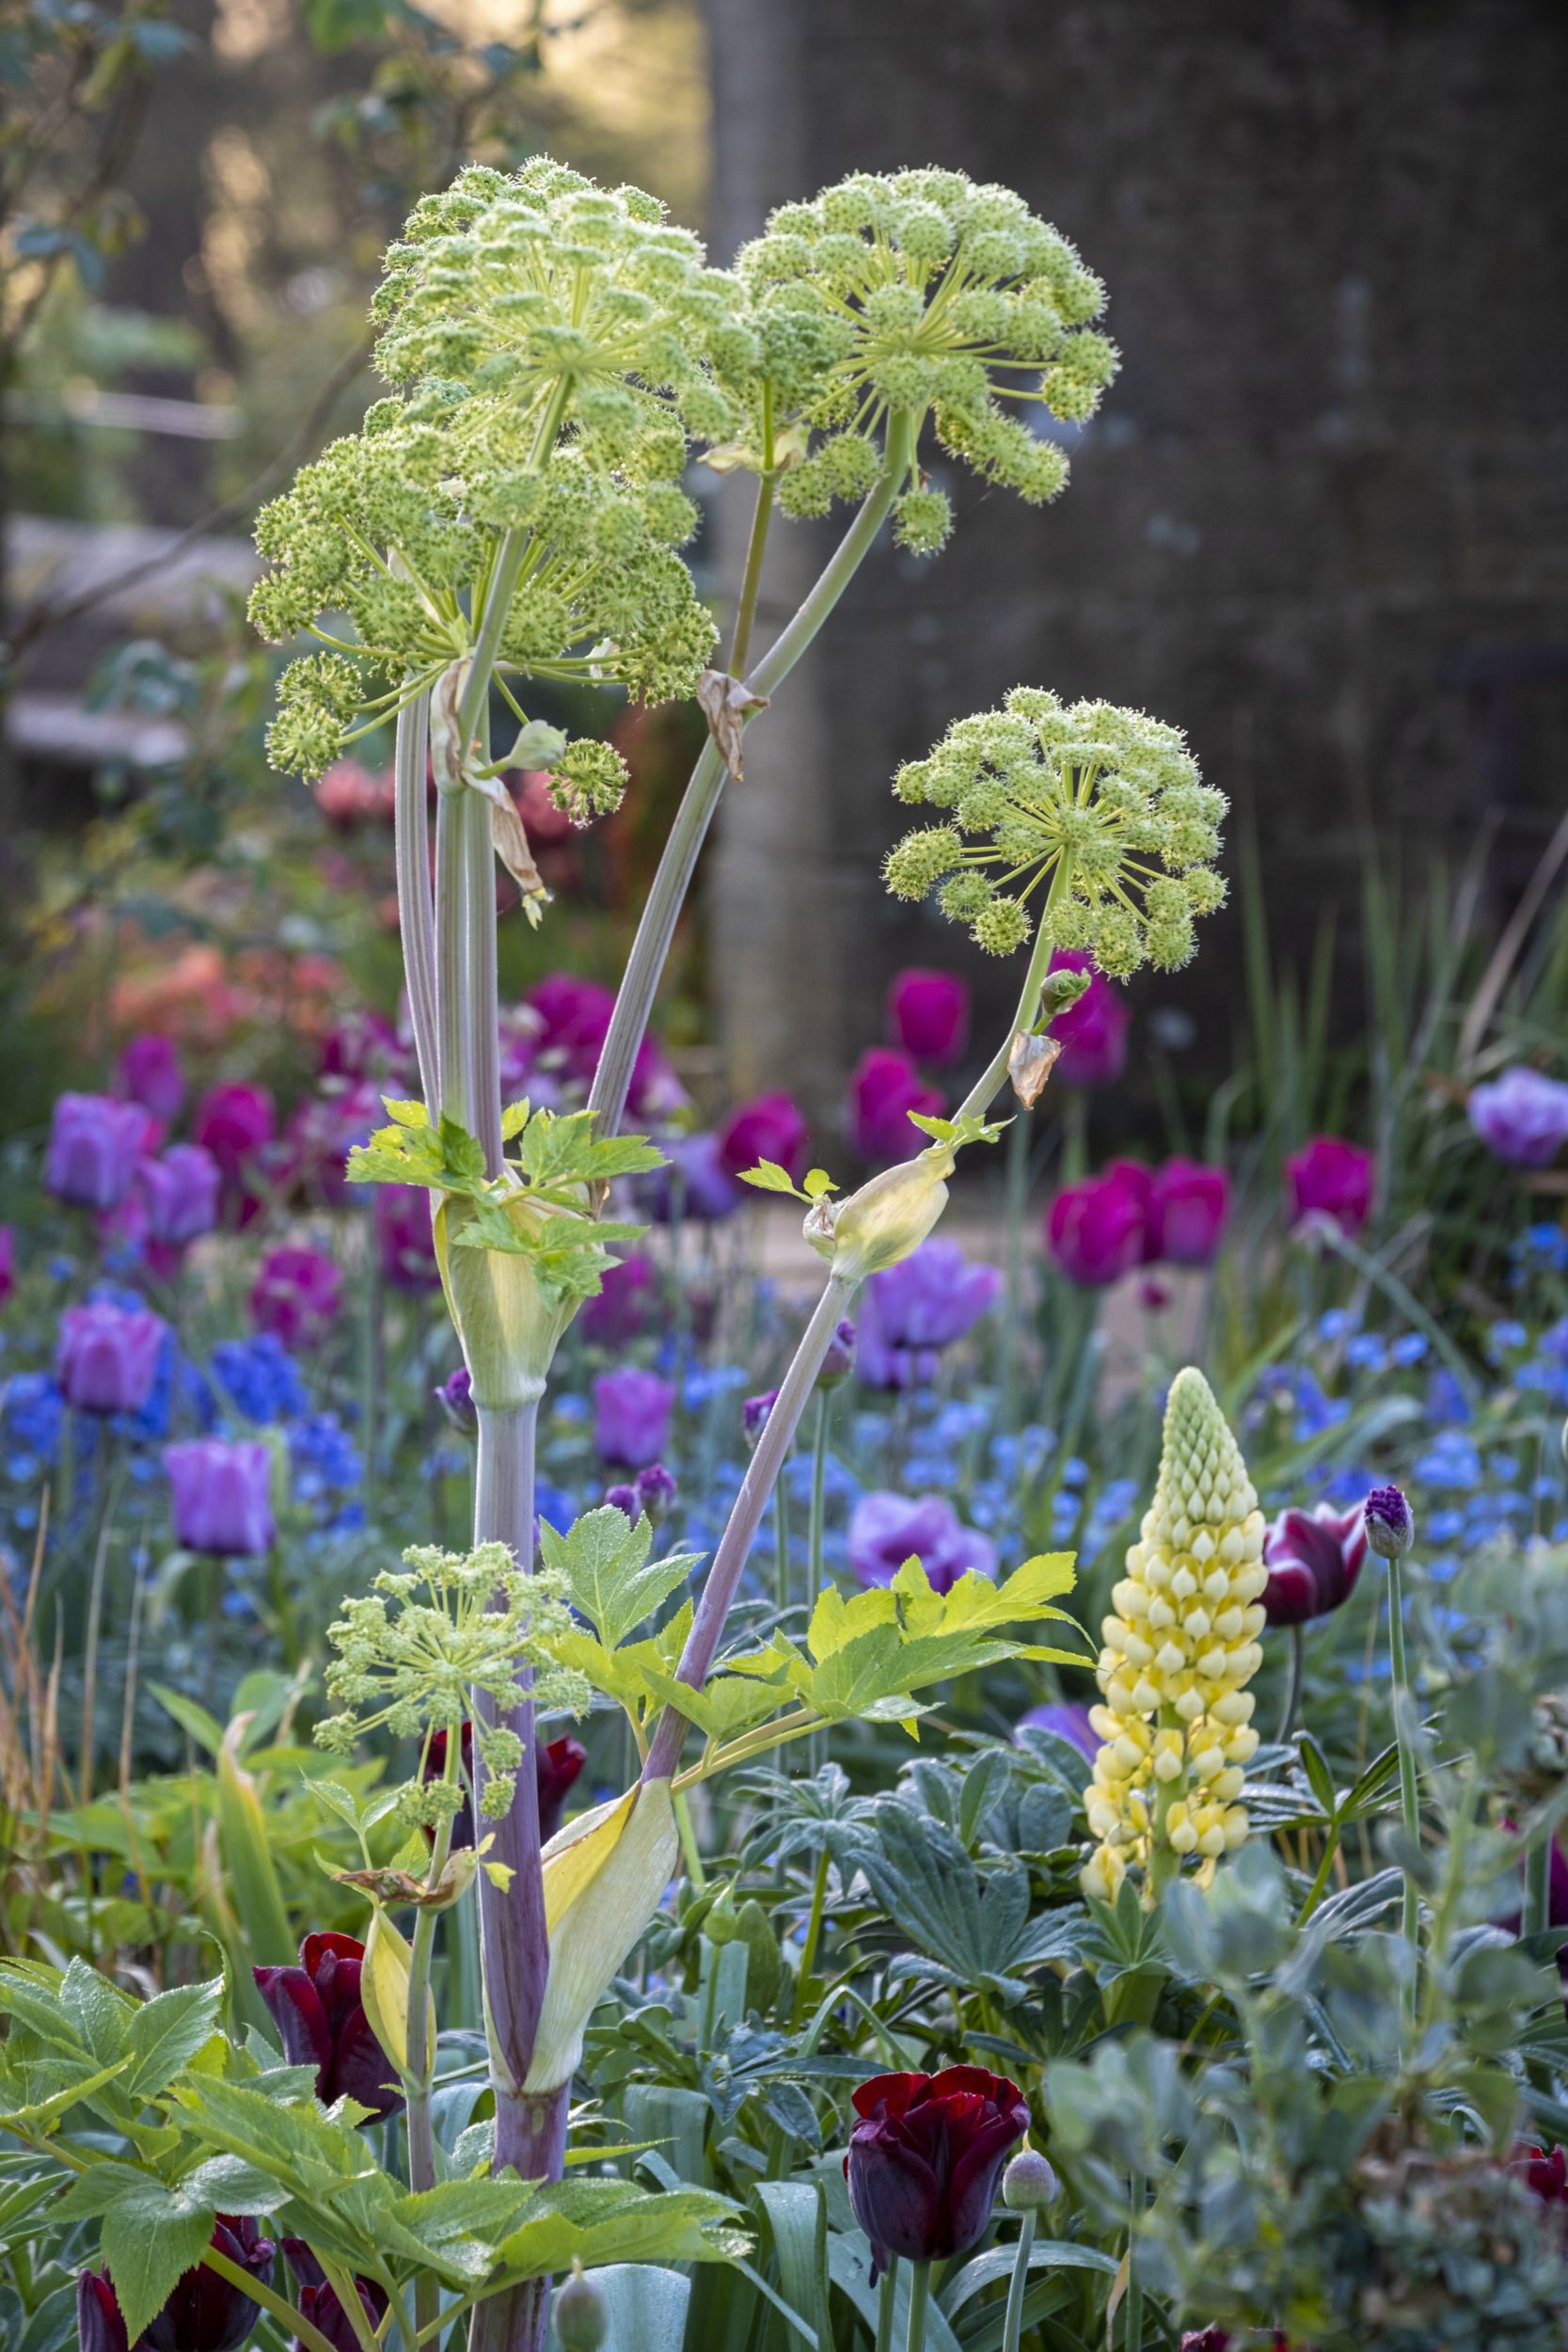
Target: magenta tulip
(7,1262)
(769,1128)
(1329,1177)
(1097,1231)
(179,1194)
(1188,1205)
(1093,1033)
(884,1087)
(222,1496)
(927,1015)
(405,1238)
(150,1074)
(108,1357)
(296,1294)
(235,1123)
(1313,1559)
(94,1144)
(625,1301)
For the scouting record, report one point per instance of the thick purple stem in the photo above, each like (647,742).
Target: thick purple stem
(745,1517)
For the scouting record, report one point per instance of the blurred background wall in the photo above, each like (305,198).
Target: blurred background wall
(1319,522)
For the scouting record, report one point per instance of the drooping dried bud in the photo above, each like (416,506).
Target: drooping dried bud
(1030,1063)
(725,702)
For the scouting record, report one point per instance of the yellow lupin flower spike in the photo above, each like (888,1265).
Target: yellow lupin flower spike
(1180,1651)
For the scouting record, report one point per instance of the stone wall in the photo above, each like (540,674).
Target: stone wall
(1321,522)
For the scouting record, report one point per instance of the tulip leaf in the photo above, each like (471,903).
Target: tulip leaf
(610,1580)
(166,2033)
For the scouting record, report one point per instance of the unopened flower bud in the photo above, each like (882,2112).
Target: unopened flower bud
(839,1361)
(581,2315)
(754,1412)
(888,1218)
(655,1491)
(455,1396)
(623,1498)
(1062,990)
(1389,1522)
(1028,2184)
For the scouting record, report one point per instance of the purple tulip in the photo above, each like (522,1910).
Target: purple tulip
(754,1411)
(1313,1559)
(1521,1117)
(631,1416)
(885,1529)
(884,1087)
(108,1357)
(769,1128)
(235,1123)
(362,1044)
(1329,1177)
(1097,1231)
(1188,1205)
(1069,1722)
(1093,1032)
(694,1183)
(839,1361)
(924,2157)
(222,1490)
(576,1017)
(150,1074)
(296,1294)
(322,1132)
(94,1144)
(626,1293)
(318,2302)
(927,1015)
(405,1240)
(7,1262)
(914,1310)
(179,1194)
(206,2313)
(322,2022)
(1390,1522)
(455,1397)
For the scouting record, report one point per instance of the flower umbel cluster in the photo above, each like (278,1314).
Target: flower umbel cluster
(1175,1717)
(916,292)
(548,337)
(1101,808)
(411,1650)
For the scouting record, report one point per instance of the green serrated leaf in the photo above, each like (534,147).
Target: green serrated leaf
(768,1176)
(514,1118)
(406,1113)
(153,2234)
(166,2033)
(462,1154)
(612,1582)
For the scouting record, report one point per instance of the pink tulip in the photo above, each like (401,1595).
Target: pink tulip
(769,1127)
(1330,1176)
(927,1015)
(149,1073)
(296,1296)
(884,1087)
(1099,1230)
(1188,1205)
(404,1243)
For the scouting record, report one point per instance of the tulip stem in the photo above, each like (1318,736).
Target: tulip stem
(258,2291)
(740,1529)
(1012,2327)
(1134,2306)
(1410,1802)
(813,1938)
(887,2301)
(634,1001)
(920,2298)
(1294,1683)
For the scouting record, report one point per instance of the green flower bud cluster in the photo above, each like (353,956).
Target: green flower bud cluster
(916,292)
(1103,806)
(410,1651)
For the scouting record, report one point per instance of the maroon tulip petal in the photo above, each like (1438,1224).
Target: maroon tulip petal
(295,2008)
(361,2068)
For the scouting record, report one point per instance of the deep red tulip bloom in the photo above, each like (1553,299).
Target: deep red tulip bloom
(319,2303)
(206,2313)
(1188,1205)
(100,2326)
(926,2156)
(1099,1230)
(322,2022)
(1543,2172)
(769,1128)
(234,1124)
(1329,1177)
(927,1014)
(557,1763)
(1313,1559)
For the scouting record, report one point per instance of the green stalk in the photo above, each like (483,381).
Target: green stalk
(762,515)
(1315,1893)
(1410,1803)
(1133,2305)
(270,2300)
(813,1938)
(422,2061)
(1012,2327)
(634,1003)
(415,915)
(919,2300)
(1019,1139)
(1293,1687)
(886,2302)
(1538,1885)
(983,1093)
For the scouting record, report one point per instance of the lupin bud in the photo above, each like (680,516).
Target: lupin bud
(1389,1522)
(581,2316)
(1029,2185)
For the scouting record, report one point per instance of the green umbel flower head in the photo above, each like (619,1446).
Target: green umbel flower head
(549,338)
(1105,803)
(917,293)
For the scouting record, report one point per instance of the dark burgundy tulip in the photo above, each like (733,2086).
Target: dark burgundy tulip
(100,2325)
(1205,2339)
(321,2019)
(926,2156)
(206,2313)
(319,2303)
(558,1763)
(1313,1559)
(1543,2172)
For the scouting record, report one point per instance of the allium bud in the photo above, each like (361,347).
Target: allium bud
(754,1412)
(656,1492)
(1029,2185)
(839,1361)
(455,1396)
(1390,1522)
(581,2315)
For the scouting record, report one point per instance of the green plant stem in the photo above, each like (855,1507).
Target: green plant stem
(818,1493)
(411,851)
(762,515)
(920,2300)
(421,2059)
(1315,1893)
(887,2299)
(1538,1885)
(109,1488)
(1293,1682)
(735,1545)
(781,1549)
(1410,1802)
(813,1938)
(270,2300)
(1017,2286)
(1019,1139)
(634,1003)
(454,811)
(503,576)
(983,1093)
(1132,2305)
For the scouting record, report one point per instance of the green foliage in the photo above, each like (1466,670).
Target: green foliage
(603,1569)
